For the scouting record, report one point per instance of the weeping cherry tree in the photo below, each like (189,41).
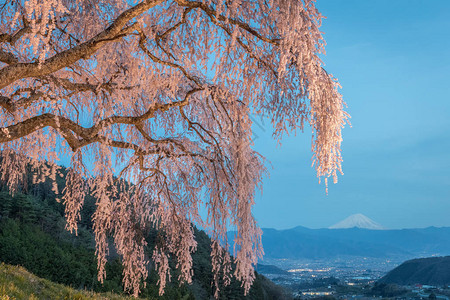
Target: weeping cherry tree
(152,101)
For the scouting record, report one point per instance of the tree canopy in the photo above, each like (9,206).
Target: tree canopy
(152,101)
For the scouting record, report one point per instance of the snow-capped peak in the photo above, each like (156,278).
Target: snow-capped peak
(357,220)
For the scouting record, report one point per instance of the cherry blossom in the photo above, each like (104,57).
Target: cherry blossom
(153,100)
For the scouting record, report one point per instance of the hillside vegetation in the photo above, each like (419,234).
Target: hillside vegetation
(32,235)
(429,271)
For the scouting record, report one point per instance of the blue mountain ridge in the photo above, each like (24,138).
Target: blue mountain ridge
(305,243)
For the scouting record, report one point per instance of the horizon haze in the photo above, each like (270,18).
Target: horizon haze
(344,224)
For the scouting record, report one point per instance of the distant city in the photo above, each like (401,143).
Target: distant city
(347,269)
(348,278)
(348,260)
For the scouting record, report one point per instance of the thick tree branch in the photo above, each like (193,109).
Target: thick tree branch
(67,84)
(86,135)
(68,57)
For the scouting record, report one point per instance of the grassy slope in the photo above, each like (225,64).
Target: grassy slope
(18,283)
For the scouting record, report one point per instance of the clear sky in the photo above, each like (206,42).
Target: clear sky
(393,60)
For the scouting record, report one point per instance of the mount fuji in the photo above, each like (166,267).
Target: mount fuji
(358,221)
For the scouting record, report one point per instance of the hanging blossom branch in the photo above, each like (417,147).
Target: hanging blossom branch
(160,93)
(66,58)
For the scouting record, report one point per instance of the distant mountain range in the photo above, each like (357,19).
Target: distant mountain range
(429,271)
(304,243)
(358,221)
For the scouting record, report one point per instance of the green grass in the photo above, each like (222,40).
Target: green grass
(16,283)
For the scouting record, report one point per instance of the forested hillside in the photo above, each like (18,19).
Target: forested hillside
(429,271)
(32,235)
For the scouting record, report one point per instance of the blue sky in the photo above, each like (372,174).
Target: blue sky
(393,60)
